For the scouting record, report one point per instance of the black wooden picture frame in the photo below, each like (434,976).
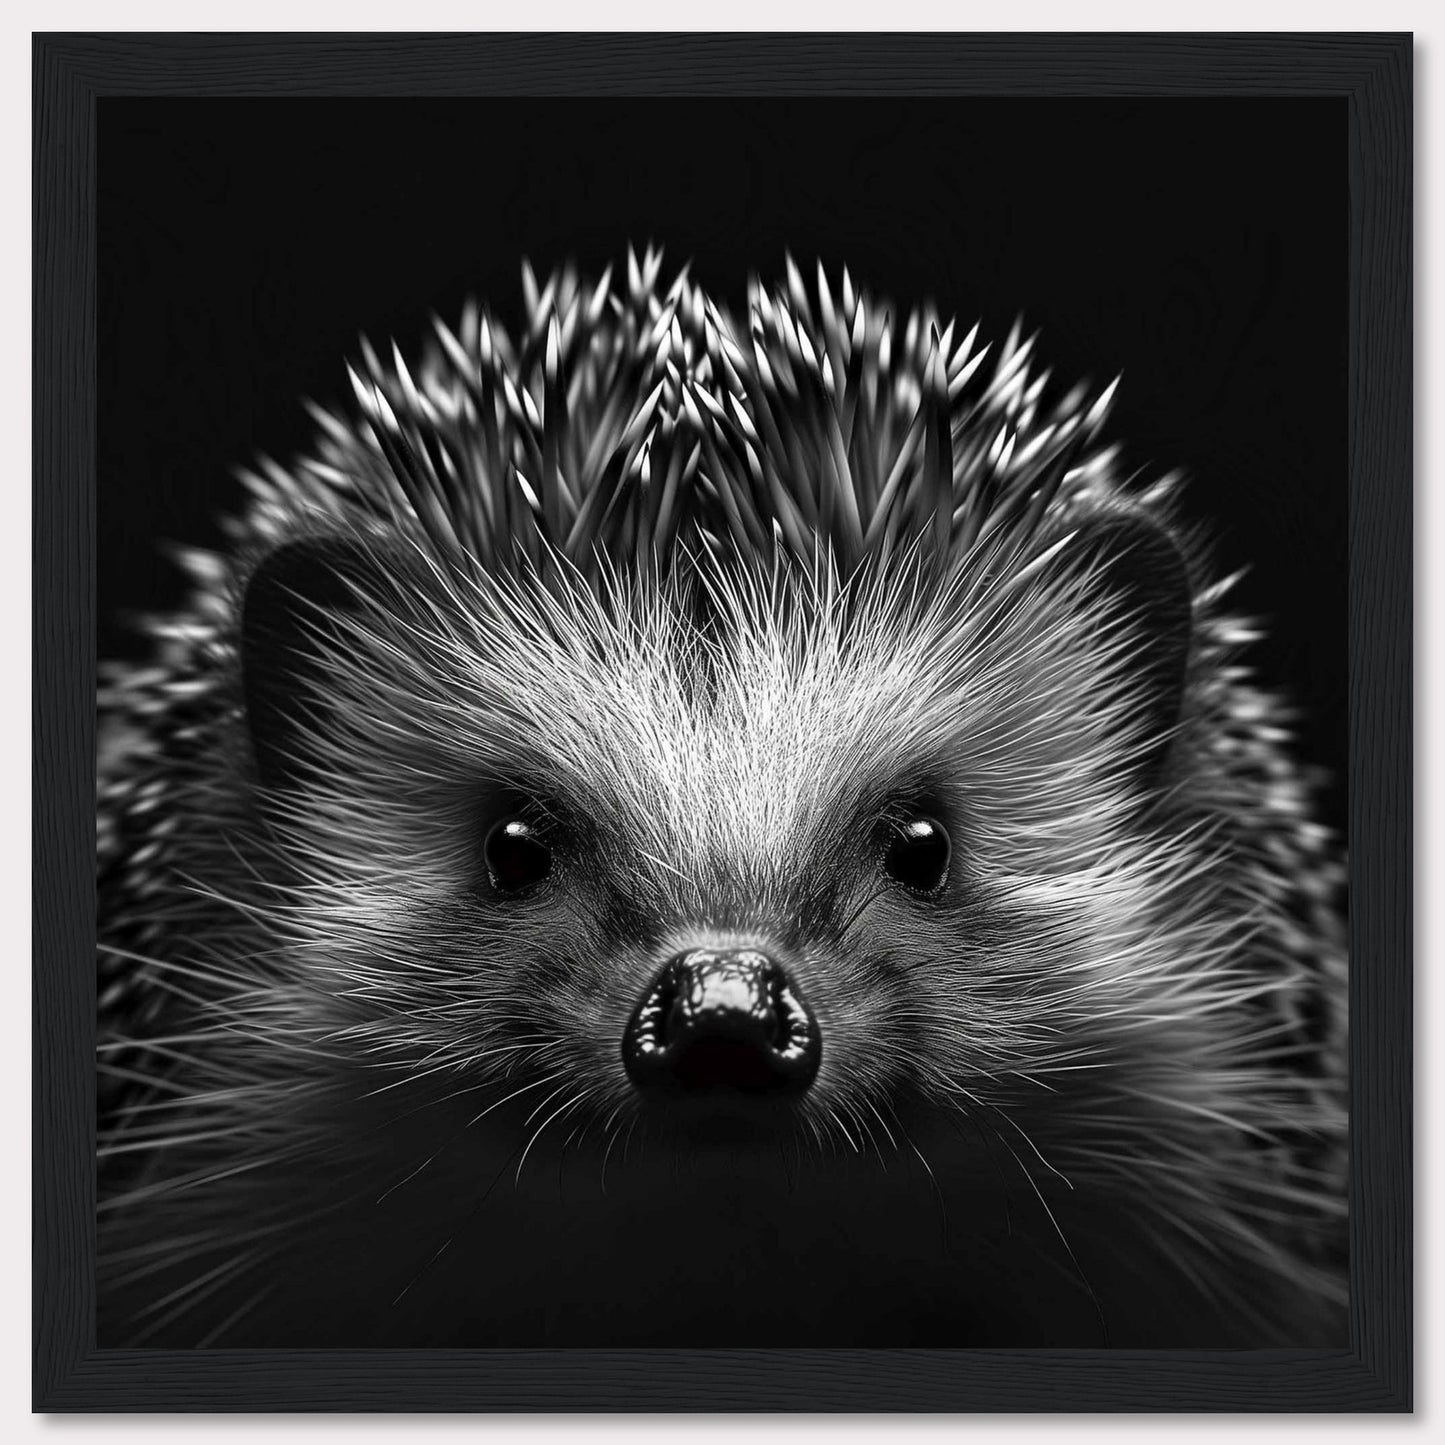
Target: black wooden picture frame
(1371,73)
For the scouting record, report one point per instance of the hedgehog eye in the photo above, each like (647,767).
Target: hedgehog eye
(918,853)
(516,855)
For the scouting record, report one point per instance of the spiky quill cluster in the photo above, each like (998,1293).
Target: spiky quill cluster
(880,518)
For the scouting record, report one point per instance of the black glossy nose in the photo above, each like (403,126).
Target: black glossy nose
(718,1019)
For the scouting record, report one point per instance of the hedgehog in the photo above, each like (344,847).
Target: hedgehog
(680,828)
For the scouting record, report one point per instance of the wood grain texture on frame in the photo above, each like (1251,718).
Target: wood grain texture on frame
(1373,72)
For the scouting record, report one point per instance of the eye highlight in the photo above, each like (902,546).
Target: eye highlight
(918,853)
(516,854)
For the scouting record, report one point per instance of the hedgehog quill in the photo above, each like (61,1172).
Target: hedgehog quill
(673,828)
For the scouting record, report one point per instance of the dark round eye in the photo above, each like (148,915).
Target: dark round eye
(918,854)
(516,855)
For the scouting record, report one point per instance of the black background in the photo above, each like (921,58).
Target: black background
(1198,246)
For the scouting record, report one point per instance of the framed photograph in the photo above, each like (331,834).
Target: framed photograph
(745,706)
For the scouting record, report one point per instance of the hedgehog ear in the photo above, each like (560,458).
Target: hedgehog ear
(282,619)
(1138,562)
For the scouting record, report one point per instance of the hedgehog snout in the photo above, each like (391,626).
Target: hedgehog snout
(721,1022)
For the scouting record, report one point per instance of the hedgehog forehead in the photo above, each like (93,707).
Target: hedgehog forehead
(734,743)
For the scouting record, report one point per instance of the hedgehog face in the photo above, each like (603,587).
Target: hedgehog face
(722,841)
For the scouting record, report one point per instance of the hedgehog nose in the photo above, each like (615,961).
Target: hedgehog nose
(717,1020)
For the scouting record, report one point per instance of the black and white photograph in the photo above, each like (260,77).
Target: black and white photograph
(721,722)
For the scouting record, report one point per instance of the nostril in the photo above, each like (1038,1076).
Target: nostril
(721,1020)
(709,1063)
